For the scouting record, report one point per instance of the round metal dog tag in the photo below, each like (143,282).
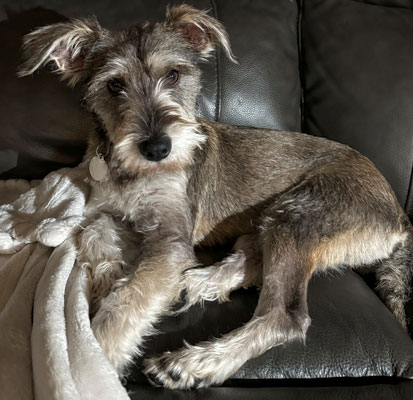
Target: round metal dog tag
(98,168)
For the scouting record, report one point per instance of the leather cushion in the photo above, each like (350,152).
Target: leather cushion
(352,334)
(358,84)
(264,90)
(364,390)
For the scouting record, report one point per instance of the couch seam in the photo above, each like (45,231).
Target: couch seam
(300,60)
(409,198)
(217,70)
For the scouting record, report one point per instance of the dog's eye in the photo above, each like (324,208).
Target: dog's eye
(172,77)
(115,86)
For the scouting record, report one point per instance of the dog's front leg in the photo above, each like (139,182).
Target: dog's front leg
(128,313)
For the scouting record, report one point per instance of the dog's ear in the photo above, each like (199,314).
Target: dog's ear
(66,44)
(202,31)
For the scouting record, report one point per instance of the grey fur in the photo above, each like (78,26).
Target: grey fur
(297,203)
(394,275)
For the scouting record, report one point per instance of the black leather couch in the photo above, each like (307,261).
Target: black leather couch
(335,68)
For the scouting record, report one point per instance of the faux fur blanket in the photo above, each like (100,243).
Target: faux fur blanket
(47,347)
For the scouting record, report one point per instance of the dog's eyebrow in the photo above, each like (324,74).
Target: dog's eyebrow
(182,68)
(160,60)
(118,65)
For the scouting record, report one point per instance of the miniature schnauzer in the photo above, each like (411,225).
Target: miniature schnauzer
(164,181)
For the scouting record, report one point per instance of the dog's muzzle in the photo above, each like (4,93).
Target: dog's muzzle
(156,148)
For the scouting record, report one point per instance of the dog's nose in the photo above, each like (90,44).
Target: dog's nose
(156,148)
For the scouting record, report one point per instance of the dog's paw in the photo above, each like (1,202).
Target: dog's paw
(201,285)
(173,371)
(101,324)
(111,327)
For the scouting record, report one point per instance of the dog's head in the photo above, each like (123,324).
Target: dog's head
(141,83)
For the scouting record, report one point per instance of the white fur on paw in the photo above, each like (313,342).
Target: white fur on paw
(204,284)
(102,324)
(109,326)
(176,371)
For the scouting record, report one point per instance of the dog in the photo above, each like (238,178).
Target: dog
(164,180)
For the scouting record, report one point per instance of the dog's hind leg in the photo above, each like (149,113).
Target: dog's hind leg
(242,268)
(394,275)
(281,316)
(300,233)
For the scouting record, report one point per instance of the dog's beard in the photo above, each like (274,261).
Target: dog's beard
(185,137)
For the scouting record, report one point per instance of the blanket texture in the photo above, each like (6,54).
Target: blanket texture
(47,347)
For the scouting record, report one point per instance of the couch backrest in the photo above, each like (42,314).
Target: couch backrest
(357,75)
(336,68)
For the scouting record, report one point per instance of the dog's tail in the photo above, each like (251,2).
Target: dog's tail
(394,277)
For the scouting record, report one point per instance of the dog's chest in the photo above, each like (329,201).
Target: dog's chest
(145,196)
